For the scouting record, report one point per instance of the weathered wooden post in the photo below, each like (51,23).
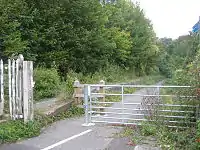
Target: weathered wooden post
(19,83)
(10,88)
(102,95)
(77,91)
(28,91)
(2,87)
(13,79)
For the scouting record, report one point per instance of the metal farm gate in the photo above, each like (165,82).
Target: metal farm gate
(134,104)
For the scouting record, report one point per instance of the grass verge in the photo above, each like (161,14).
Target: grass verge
(12,131)
(158,135)
(155,135)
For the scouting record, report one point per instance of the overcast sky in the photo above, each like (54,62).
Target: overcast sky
(171,18)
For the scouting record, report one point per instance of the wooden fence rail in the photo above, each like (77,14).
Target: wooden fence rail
(79,91)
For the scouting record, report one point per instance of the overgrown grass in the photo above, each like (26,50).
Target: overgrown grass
(168,138)
(139,134)
(12,131)
(163,137)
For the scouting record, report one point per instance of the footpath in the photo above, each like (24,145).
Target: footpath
(68,135)
(71,135)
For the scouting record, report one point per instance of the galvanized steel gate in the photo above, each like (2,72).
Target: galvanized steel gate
(134,104)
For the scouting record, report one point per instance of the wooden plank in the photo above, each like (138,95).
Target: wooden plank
(13,90)
(17,86)
(2,87)
(10,89)
(25,92)
(20,86)
(79,86)
(30,89)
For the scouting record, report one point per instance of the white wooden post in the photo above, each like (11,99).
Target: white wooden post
(10,89)
(20,80)
(2,87)
(25,92)
(20,83)
(31,85)
(28,90)
(13,90)
(16,86)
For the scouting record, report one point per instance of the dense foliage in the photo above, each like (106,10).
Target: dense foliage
(179,54)
(47,83)
(78,35)
(181,61)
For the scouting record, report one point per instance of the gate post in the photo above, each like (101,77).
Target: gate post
(85,106)
(77,91)
(154,109)
(28,84)
(1,88)
(102,91)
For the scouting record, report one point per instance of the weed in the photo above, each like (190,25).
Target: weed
(148,129)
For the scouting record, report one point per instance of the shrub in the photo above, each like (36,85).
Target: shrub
(47,83)
(12,131)
(148,129)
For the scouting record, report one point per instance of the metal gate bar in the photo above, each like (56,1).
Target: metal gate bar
(123,112)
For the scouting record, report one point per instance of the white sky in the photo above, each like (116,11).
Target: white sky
(171,18)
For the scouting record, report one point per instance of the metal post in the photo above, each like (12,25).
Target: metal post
(158,88)
(86,103)
(102,91)
(86,98)
(158,101)
(90,104)
(122,103)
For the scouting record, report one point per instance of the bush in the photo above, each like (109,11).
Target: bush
(47,83)
(12,131)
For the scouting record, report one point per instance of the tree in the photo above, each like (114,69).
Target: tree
(79,35)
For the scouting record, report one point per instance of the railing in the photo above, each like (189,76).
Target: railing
(153,103)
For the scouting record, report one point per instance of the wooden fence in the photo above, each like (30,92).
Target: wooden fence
(79,91)
(16,79)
